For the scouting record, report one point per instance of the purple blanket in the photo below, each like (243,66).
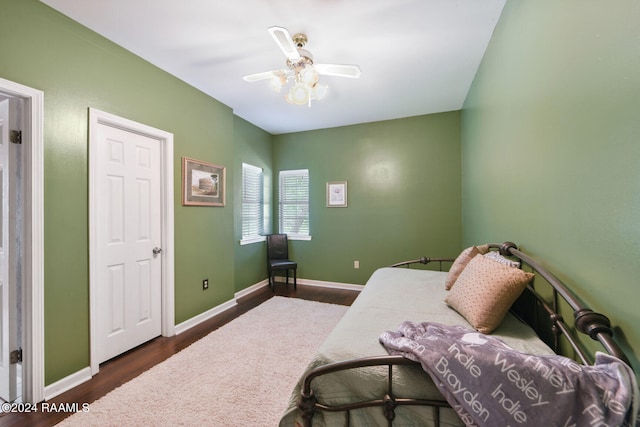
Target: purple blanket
(489,384)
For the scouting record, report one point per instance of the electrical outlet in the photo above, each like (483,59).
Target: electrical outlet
(205,284)
(356,264)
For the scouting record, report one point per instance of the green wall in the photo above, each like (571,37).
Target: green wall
(404,185)
(551,147)
(78,69)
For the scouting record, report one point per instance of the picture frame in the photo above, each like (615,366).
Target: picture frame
(337,194)
(203,184)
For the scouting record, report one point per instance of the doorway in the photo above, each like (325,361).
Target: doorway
(11,230)
(25,274)
(131,235)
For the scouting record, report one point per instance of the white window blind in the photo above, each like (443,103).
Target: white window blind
(252,203)
(294,203)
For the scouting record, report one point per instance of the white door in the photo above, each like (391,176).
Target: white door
(129,288)
(8,259)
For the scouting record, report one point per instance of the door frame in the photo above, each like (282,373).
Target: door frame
(97,117)
(33,257)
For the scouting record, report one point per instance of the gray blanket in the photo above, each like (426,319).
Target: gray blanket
(489,384)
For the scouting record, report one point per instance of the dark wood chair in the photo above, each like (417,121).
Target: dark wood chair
(278,258)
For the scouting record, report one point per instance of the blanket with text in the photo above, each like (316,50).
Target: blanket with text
(488,384)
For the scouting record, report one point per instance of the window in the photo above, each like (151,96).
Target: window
(252,204)
(294,204)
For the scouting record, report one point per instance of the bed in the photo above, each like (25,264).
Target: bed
(357,378)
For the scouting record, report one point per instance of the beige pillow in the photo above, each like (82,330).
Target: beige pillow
(485,291)
(461,262)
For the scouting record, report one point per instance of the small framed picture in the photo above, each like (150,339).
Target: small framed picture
(337,194)
(203,184)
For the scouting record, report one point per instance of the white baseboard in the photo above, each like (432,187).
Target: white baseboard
(323,284)
(190,323)
(307,282)
(251,289)
(333,285)
(196,320)
(67,383)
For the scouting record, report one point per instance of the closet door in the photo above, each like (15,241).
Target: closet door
(129,288)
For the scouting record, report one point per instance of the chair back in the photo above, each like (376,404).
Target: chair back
(277,246)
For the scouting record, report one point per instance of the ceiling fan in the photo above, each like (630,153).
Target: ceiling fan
(301,69)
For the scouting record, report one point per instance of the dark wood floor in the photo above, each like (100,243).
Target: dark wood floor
(131,364)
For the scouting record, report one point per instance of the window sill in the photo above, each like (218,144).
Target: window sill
(250,240)
(298,237)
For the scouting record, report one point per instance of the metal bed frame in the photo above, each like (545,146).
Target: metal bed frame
(543,315)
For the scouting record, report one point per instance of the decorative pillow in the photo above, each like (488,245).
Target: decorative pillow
(502,259)
(485,291)
(461,262)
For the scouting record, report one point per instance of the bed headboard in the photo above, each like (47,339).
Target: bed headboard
(543,303)
(544,314)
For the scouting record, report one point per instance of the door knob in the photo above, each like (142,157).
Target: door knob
(157,250)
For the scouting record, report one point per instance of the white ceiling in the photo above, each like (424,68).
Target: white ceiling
(417,56)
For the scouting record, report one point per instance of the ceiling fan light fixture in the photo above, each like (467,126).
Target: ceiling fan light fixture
(301,70)
(320,91)
(278,81)
(309,75)
(298,94)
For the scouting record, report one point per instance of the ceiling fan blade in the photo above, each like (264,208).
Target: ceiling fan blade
(264,75)
(284,42)
(351,71)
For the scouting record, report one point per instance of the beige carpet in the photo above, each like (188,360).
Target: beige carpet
(239,375)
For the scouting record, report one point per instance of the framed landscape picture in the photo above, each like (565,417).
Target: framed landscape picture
(337,194)
(203,184)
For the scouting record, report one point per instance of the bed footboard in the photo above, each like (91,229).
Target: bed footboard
(308,404)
